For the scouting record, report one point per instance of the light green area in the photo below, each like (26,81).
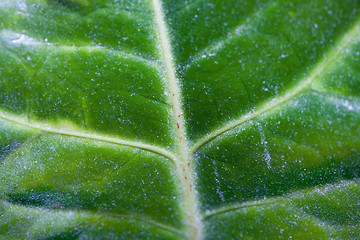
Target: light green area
(329,212)
(68,173)
(19,222)
(179,119)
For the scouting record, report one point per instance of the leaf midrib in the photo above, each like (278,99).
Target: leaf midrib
(184,163)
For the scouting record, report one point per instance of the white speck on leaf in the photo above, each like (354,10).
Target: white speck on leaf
(266,150)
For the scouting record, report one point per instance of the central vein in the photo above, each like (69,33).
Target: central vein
(184,161)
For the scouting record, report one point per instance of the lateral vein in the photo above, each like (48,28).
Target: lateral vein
(97,214)
(78,133)
(334,53)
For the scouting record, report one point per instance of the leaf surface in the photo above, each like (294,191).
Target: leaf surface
(173,119)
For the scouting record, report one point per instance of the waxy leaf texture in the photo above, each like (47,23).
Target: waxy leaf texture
(179,119)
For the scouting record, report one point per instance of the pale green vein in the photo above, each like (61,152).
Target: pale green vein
(284,199)
(236,32)
(334,53)
(145,220)
(72,131)
(14,38)
(184,162)
(102,49)
(97,214)
(235,207)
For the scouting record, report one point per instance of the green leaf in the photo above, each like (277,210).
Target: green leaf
(174,119)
